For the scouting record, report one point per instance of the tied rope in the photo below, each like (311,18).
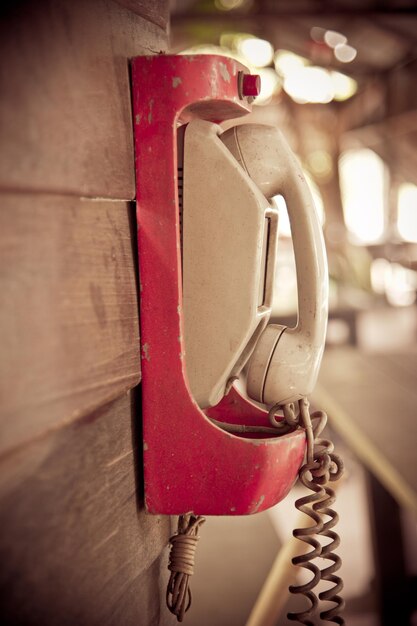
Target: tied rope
(181,564)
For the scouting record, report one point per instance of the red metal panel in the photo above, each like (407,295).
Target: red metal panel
(189,463)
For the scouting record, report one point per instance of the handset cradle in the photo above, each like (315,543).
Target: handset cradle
(190,464)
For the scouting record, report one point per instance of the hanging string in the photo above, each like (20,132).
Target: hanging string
(181,564)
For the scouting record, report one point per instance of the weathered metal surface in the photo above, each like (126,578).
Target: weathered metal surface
(190,465)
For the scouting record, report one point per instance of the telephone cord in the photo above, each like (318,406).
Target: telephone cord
(322,465)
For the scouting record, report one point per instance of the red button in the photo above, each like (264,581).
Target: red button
(251,85)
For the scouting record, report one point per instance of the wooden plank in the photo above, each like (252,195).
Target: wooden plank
(155,11)
(65,107)
(76,544)
(69,329)
(371,403)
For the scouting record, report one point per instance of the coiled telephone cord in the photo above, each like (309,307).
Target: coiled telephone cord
(322,465)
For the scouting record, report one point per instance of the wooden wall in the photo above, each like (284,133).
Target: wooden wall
(76,546)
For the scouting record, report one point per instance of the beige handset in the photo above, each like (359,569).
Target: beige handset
(229,256)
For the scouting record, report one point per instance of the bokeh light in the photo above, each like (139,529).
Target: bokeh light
(284,220)
(309,84)
(230,5)
(333,38)
(344,86)
(345,53)
(407,212)
(287,62)
(320,164)
(257,52)
(363,178)
(270,85)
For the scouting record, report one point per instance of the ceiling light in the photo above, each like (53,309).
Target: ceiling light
(287,62)
(401,288)
(345,53)
(309,84)
(257,52)
(363,188)
(317,34)
(407,212)
(344,86)
(229,5)
(333,38)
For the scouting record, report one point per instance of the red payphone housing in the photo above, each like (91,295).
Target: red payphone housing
(190,464)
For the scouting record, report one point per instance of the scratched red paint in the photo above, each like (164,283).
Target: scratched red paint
(189,463)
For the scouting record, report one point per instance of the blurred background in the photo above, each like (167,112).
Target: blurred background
(339,80)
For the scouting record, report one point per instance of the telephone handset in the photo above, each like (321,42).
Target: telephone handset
(229,255)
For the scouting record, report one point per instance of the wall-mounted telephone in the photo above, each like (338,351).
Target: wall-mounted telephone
(207,237)
(207,240)
(229,241)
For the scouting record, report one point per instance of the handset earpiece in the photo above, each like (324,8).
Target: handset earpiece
(285,362)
